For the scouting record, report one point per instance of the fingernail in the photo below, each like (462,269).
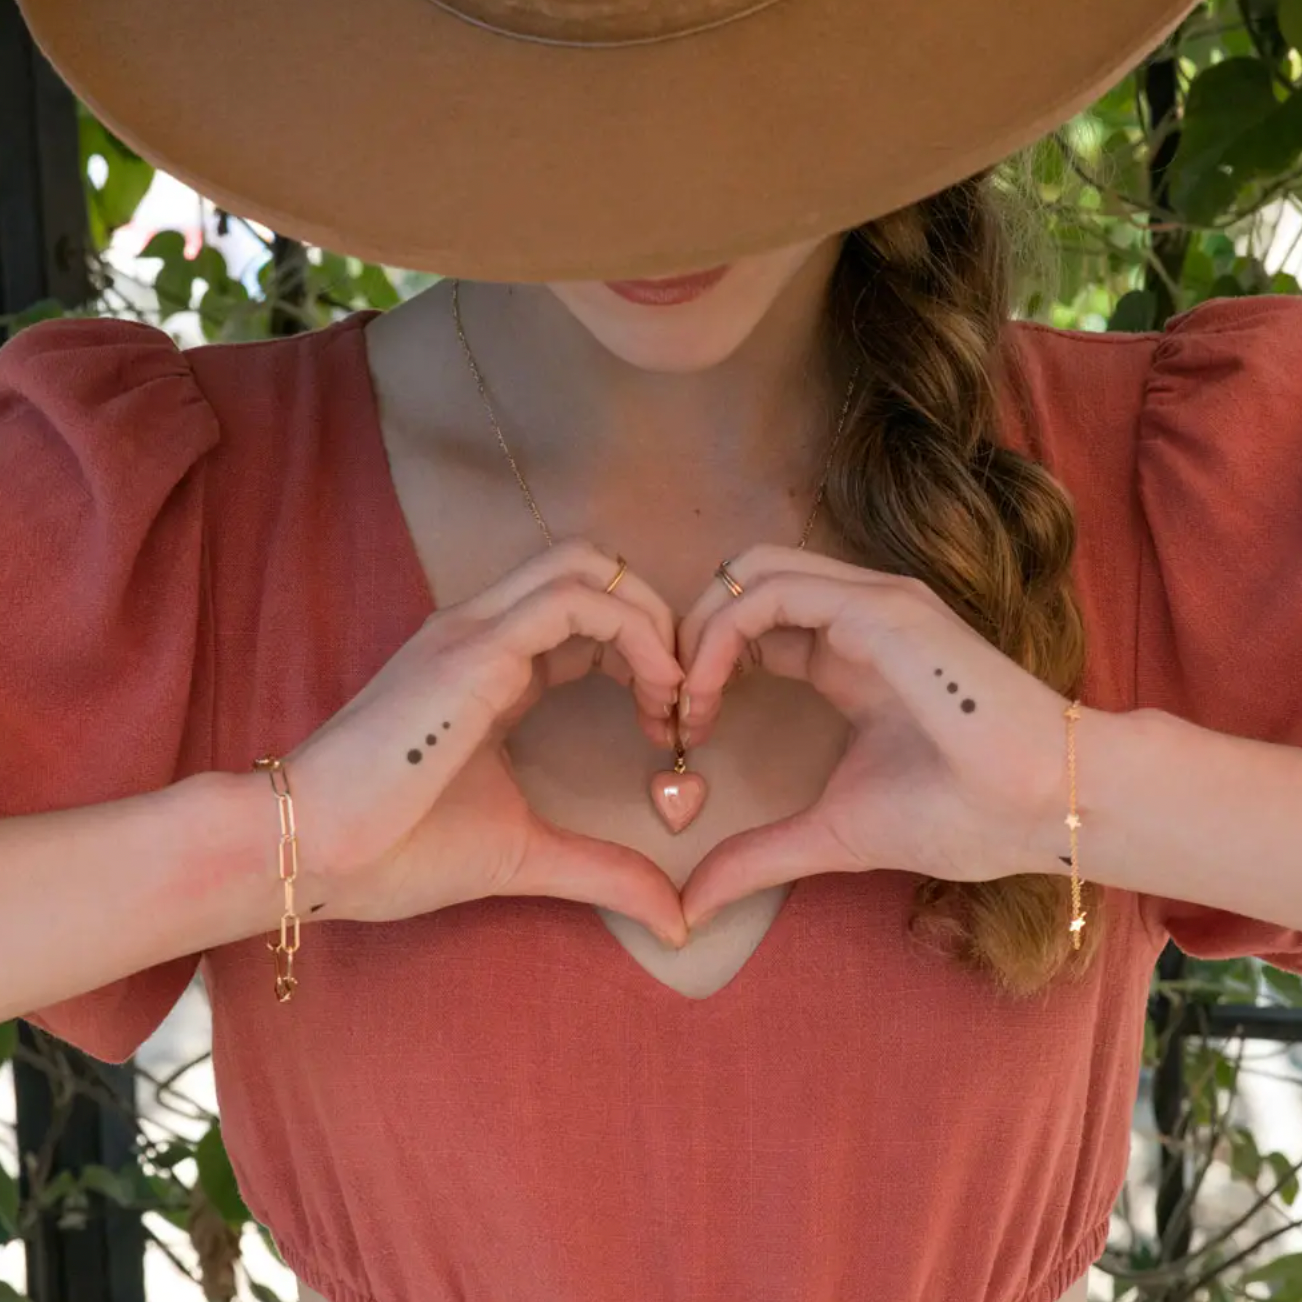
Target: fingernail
(684,706)
(671,737)
(685,736)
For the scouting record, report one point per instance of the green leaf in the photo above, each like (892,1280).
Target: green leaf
(8,1040)
(1283,1170)
(10,1294)
(168,245)
(166,1193)
(100,1180)
(1227,287)
(221,301)
(270,1241)
(8,1206)
(1120,173)
(1288,985)
(1245,1160)
(1048,167)
(174,281)
(63,1185)
(1235,39)
(1135,312)
(1220,248)
(218,1178)
(1282,1273)
(47,309)
(1226,102)
(210,264)
(262,1292)
(1117,105)
(175,1153)
(1149,1053)
(336,279)
(129,179)
(1197,275)
(1290,22)
(1273,145)
(174,286)
(376,287)
(1226,1075)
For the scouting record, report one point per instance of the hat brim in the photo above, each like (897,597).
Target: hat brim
(397,132)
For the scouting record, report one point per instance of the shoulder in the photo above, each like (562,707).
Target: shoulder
(108,409)
(1226,359)
(103,435)
(61,365)
(1230,365)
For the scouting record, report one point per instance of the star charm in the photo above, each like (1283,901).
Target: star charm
(1073,821)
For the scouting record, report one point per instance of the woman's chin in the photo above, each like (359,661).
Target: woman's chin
(675,354)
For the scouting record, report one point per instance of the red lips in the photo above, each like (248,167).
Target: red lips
(671,291)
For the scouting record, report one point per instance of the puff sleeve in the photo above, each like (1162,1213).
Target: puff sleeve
(103,435)
(1219,464)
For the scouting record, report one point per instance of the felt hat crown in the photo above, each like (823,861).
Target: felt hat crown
(582,139)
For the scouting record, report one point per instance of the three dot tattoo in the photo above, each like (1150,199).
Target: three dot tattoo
(967,705)
(414,756)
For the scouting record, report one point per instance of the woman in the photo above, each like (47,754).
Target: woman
(898,1060)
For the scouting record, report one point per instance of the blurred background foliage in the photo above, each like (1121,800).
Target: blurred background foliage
(1182,183)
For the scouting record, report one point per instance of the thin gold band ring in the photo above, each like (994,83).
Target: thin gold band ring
(725,576)
(619,574)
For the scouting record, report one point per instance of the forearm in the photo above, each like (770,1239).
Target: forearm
(1169,808)
(93,894)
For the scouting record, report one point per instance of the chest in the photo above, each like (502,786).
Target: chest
(579,756)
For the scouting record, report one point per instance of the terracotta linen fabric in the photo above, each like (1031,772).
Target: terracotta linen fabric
(202,558)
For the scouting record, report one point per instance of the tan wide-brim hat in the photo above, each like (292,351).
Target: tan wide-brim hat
(583,139)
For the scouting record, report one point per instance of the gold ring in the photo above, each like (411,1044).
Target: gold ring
(724,575)
(619,574)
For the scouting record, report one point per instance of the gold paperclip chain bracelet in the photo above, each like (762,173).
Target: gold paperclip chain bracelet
(283,947)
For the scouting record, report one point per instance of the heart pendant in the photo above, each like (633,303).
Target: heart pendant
(677,794)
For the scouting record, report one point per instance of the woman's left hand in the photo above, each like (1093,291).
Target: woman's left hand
(956,766)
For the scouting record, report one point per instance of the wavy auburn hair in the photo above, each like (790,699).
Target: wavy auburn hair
(920,485)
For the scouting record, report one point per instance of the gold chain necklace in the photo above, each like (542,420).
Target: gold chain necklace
(667,786)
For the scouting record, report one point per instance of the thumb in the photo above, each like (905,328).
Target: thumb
(568,866)
(751,861)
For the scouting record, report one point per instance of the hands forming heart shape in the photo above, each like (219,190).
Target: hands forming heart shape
(955,767)
(956,764)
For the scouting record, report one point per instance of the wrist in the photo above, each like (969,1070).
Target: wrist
(233,817)
(1114,750)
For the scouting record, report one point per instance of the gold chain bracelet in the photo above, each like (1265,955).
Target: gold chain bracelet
(1077,923)
(283,945)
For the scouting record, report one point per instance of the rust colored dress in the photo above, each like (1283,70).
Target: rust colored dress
(202,558)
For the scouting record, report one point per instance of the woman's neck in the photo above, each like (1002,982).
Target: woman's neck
(572,409)
(593,409)
(714,460)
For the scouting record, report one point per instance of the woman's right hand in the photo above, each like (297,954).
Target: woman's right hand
(405,800)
